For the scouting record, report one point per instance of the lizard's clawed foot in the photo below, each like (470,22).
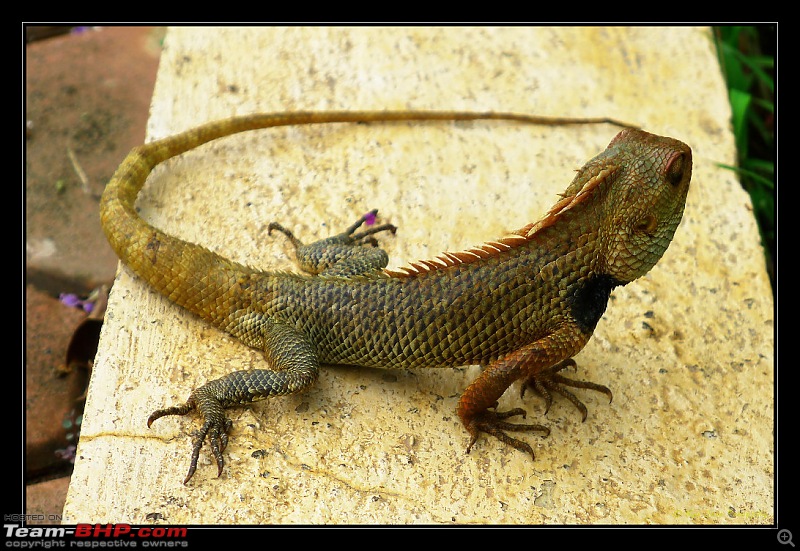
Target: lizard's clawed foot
(344,254)
(548,380)
(492,423)
(366,235)
(216,426)
(349,236)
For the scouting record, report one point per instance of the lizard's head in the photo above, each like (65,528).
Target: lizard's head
(645,193)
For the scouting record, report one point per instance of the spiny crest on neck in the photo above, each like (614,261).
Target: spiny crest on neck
(513,240)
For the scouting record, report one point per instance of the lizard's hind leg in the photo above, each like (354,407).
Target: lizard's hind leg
(344,254)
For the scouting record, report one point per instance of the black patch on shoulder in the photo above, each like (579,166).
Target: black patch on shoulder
(588,302)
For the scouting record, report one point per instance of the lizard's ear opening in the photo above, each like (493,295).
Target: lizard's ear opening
(648,224)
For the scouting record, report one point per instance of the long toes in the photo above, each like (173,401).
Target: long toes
(491,423)
(550,381)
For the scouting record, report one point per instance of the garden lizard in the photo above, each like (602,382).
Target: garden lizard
(521,305)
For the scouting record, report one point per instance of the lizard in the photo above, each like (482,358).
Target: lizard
(521,306)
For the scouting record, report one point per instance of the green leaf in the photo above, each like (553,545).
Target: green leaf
(740,103)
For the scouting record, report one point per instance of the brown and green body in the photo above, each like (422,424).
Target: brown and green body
(521,305)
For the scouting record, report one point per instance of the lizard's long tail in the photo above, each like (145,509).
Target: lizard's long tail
(193,276)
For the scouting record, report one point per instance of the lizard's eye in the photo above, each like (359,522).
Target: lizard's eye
(675,169)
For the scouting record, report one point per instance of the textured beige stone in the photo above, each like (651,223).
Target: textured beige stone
(687,350)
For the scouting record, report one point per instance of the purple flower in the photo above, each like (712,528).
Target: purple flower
(66,454)
(73,300)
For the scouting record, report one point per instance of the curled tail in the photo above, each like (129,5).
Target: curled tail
(188,274)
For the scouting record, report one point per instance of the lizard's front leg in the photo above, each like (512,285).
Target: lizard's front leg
(537,365)
(294,367)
